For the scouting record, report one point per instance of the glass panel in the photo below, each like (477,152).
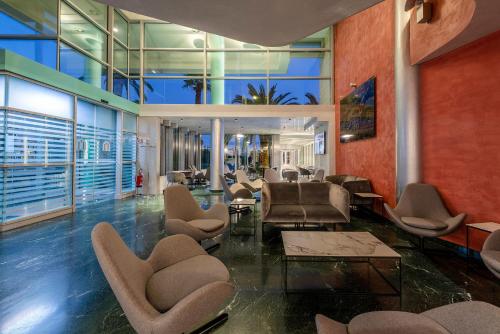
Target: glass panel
(28,17)
(219,42)
(206,147)
(129,147)
(2,91)
(134,90)
(168,35)
(128,177)
(39,50)
(37,139)
(177,63)
(173,91)
(299,64)
(231,91)
(79,31)
(120,28)
(237,64)
(95,10)
(120,57)
(320,39)
(41,99)
(301,91)
(129,123)
(120,85)
(2,140)
(35,190)
(135,35)
(84,68)
(135,63)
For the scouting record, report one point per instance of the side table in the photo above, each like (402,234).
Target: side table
(488,227)
(240,203)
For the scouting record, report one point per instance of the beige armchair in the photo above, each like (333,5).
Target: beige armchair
(491,253)
(318,176)
(234,191)
(184,216)
(270,175)
(420,211)
(469,317)
(242,178)
(176,289)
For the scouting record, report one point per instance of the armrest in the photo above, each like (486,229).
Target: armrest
(193,309)
(493,241)
(249,187)
(325,325)
(173,249)
(454,222)
(243,193)
(339,198)
(218,211)
(392,214)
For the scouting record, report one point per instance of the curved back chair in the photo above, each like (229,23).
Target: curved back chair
(184,216)
(167,293)
(491,253)
(271,175)
(290,175)
(242,178)
(421,212)
(234,191)
(318,176)
(303,171)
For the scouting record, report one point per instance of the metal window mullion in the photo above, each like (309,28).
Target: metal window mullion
(85,16)
(85,52)
(141,62)
(111,54)
(29,37)
(75,125)
(205,66)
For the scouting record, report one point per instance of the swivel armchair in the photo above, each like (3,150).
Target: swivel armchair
(253,186)
(184,216)
(176,289)
(421,212)
(491,253)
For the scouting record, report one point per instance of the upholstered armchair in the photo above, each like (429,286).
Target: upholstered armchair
(253,186)
(270,175)
(176,289)
(491,253)
(234,191)
(468,317)
(318,176)
(420,211)
(184,216)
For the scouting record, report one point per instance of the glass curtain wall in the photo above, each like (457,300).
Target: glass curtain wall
(129,152)
(248,151)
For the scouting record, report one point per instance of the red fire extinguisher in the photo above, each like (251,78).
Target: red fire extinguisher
(139,179)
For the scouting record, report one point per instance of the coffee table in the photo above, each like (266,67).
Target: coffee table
(303,246)
(488,227)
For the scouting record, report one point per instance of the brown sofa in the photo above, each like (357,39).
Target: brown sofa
(304,203)
(353,184)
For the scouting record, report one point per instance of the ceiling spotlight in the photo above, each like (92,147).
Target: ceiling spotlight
(115,29)
(240,135)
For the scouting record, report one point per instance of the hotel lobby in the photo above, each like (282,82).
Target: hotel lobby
(307,167)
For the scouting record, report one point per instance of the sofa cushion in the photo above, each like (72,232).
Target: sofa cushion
(207,225)
(314,193)
(425,223)
(393,322)
(492,258)
(467,317)
(284,193)
(322,214)
(335,179)
(282,213)
(171,284)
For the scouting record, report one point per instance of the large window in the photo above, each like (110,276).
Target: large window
(129,147)
(82,67)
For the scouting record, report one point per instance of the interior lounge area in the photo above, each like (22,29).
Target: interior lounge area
(326,167)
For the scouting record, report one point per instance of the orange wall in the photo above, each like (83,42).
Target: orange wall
(364,47)
(460,115)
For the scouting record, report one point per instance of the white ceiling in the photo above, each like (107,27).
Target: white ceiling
(264,22)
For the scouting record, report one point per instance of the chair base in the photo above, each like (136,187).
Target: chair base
(212,324)
(212,248)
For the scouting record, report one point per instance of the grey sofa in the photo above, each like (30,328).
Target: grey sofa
(460,318)
(178,287)
(353,184)
(491,253)
(304,203)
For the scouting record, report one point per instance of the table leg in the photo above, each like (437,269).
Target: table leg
(467,249)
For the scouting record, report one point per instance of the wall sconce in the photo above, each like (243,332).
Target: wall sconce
(423,10)
(353,85)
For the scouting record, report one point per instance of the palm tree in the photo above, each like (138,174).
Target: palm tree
(260,97)
(312,99)
(197,86)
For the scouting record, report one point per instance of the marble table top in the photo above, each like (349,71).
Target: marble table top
(243,201)
(368,195)
(335,244)
(488,226)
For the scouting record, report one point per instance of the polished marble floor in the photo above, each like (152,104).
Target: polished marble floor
(50,281)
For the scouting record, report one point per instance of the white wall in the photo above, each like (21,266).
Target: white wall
(322,161)
(148,158)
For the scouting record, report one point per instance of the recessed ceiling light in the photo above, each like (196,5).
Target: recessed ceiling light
(115,29)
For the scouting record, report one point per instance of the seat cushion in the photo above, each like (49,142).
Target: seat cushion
(171,284)
(394,322)
(323,214)
(207,225)
(467,317)
(491,258)
(314,193)
(282,213)
(428,224)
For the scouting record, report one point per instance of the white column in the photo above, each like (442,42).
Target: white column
(408,168)
(217,154)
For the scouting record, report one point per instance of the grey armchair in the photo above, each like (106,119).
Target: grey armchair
(469,317)
(242,178)
(176,289)
(421,212)
(184,216)
(491,253)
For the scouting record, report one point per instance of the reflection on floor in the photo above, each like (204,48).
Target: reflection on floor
(51,283)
